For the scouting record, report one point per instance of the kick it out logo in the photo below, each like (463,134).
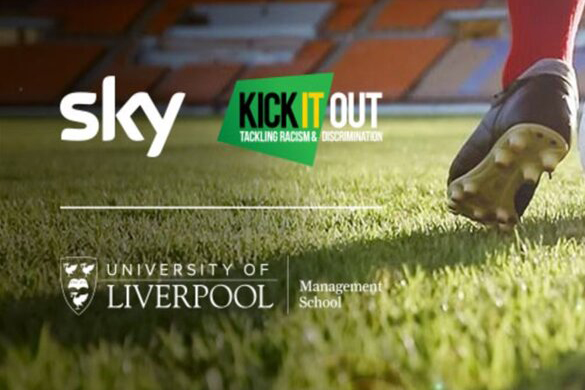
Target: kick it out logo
(166,285)
(283,116)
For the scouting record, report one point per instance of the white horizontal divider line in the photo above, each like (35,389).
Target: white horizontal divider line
(350,208)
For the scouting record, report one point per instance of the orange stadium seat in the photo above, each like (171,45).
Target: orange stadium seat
(412,14)
(42,73)
(202,83)
(130,77)
(390,66)
(346,16)
(98,16)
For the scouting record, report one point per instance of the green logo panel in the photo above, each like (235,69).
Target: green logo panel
(279,116)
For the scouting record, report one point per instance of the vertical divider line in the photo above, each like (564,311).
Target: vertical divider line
(287,285)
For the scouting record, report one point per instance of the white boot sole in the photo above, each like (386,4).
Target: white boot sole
(486,193)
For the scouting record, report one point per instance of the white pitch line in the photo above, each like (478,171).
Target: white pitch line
(350,208)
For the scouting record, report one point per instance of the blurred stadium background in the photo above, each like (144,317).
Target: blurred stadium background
(424,55)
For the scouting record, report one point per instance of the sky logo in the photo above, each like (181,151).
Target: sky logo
(162,124)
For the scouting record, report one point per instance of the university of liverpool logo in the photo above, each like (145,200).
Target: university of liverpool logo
(78,281)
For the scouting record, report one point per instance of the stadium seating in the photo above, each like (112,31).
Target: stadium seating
(177,52)
(477,23)
(306,61)
(470,70)
(130,76)
(91,16)
(254,20)
(251,34)
(168,15)
(202,83)
(346,16)
(579,59)
(42,73)
(416,14)
(390,66)
(172,11)
(411,50)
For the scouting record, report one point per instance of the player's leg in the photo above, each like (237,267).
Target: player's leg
(541,29)
(528,128)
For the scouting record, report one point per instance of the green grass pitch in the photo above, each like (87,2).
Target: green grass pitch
(464,307)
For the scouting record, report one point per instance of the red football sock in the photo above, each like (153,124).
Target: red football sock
(541,29)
